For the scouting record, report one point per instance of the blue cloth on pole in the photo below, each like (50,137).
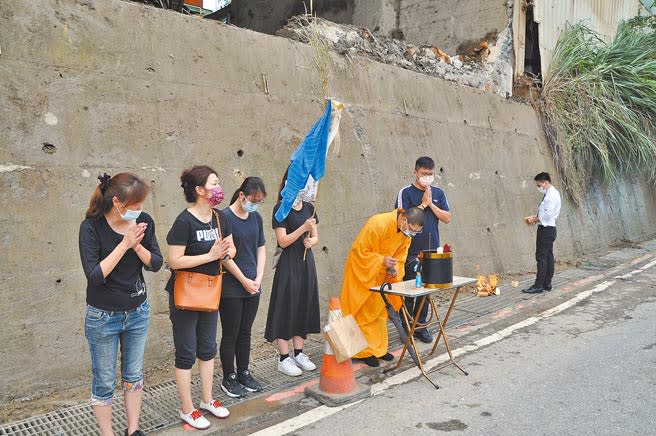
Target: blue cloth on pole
(308,159)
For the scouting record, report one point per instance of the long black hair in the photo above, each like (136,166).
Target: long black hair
(250,186)
(282,184)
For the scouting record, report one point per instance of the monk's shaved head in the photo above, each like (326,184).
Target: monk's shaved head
(415,216)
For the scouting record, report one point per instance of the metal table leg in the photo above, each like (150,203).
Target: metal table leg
(442,334)
(410,342)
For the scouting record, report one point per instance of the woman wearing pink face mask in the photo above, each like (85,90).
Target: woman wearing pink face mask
(196,245)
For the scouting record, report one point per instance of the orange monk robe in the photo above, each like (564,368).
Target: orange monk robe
(365,269)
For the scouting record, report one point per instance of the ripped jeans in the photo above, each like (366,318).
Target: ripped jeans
(106,332)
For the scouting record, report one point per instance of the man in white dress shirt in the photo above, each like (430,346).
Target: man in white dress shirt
(546,220)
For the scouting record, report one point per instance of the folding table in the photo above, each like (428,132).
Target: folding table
(423,296)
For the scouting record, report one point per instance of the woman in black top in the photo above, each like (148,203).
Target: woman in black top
(294,303)
(197,245)
(117,241)
(241,286)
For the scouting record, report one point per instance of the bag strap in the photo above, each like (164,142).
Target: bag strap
(218,225)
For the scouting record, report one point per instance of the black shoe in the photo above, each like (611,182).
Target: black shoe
(248,382)
(547,288)
(423,335)
(386,357)
(136,433)
(532,290)
(371,361)
(232,387)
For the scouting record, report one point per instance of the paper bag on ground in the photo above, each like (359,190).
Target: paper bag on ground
(345,338)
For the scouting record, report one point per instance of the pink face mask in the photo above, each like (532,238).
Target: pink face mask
(216,196)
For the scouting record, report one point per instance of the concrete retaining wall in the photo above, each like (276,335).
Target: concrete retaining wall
(112,86)
(449,23)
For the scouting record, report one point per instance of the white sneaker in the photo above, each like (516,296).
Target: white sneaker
(216,408)
(195,419)
(288,366)
(304,362)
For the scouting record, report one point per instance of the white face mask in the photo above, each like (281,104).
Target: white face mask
(542,190)
(426,181)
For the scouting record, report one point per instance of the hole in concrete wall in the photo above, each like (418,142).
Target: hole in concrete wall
(240,153)
(488,229)
(441,170)
(86,108)
(58,280)
(496,172)
(61,75)
(464,121)
(324,249)
(48,148)
(532,63)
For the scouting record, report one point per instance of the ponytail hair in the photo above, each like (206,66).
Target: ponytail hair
(127,187)
(250,186)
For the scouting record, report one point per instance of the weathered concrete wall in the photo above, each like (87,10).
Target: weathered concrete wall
(268,16)
(376,15)
(449,23)
(115,86)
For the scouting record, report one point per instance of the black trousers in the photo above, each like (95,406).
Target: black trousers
(237,316)
(194,335)
(411,302)
(544,256)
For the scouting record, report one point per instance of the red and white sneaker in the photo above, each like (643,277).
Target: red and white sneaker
(195,419)
(216,408)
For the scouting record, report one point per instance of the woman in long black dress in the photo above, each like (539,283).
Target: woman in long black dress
(294,303)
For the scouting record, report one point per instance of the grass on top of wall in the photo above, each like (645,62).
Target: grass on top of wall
(599,105)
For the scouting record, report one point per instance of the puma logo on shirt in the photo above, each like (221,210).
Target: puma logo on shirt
(207,235)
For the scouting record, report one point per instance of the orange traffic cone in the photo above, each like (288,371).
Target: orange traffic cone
(337,384)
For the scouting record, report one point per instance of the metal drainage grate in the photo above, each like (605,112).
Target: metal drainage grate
(79,420)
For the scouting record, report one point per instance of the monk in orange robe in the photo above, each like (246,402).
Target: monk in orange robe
(377,256)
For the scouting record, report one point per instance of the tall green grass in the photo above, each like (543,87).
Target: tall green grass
(599,105)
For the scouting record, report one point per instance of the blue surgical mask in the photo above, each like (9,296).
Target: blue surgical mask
(250,207)
(129,215)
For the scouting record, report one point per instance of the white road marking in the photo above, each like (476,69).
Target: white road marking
(321,412)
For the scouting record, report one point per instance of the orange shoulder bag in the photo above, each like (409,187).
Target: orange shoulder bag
(197,291)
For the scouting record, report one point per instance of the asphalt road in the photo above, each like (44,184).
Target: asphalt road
(590,370)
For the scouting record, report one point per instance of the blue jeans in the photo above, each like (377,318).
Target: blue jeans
(105,332)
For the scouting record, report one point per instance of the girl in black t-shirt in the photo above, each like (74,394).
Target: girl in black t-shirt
(241,286)
(117,241)
(195,245)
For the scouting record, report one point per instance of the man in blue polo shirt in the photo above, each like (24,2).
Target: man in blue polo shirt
(433,201)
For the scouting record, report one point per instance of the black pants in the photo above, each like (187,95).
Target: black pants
(544,256)
(411,302)
(237,316)
(194,335)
